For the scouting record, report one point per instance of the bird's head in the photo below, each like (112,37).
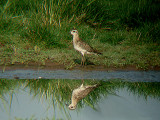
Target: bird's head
(72,107)
(74,32)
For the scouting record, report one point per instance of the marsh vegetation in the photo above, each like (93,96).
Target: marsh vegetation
(126,32)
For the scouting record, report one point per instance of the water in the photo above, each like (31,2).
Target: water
(148,76)
(114,99)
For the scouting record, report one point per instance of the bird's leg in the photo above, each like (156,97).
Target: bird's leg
(82,81)
(82,61)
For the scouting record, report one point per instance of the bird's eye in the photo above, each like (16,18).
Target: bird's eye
(74,31)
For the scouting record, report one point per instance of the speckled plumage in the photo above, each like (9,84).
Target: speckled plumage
(79,43)
(81,46)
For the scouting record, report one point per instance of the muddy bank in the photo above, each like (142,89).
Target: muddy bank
(49,65)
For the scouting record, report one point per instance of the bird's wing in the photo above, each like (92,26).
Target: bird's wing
(85,46)
(81,92)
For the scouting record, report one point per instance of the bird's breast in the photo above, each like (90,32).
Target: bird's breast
(80,49)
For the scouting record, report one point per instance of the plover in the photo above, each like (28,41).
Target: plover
(80,93)
(81,46)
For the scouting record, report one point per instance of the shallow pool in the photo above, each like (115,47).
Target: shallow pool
(113,99)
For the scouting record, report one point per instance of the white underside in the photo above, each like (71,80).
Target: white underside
(83,51)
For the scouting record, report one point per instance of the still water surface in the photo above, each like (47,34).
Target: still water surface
(113,99)
(147,76)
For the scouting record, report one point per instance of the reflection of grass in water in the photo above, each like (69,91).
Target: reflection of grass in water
(52,90)
(58,92)
(144,89)
(7,91)
(139,89)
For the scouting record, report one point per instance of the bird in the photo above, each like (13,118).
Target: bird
(81,46)
(79,93)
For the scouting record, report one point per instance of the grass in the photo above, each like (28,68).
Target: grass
(126,32)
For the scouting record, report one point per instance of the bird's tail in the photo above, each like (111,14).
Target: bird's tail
(92,86)
(97,53)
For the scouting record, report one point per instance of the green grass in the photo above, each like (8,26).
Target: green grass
(126,32)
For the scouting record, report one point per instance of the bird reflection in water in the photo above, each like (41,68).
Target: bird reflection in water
(79,93)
